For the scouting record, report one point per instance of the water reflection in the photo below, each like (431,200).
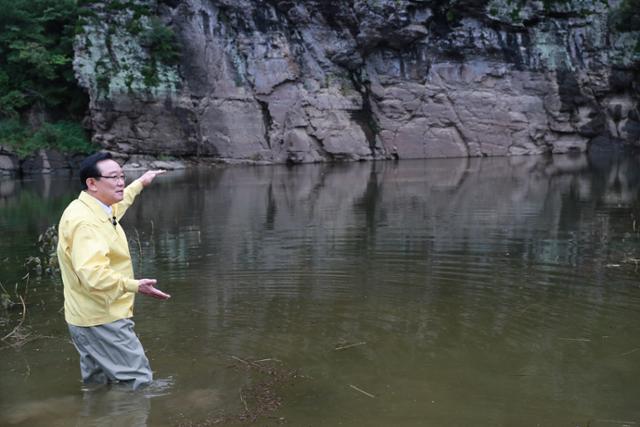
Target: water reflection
(104,407)
(506,284)
(114,407)
(391,209)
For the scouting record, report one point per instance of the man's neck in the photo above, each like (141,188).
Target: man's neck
(103,205)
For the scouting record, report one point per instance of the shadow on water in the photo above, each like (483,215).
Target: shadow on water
(497,291)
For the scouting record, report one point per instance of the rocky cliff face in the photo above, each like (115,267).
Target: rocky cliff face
(322,80)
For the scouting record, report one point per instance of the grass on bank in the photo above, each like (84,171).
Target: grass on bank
(64,136)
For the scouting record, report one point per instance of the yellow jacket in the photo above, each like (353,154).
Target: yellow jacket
(95,262)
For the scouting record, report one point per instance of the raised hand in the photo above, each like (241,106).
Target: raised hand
(149,176)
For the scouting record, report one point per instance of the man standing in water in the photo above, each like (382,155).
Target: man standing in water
(97,273)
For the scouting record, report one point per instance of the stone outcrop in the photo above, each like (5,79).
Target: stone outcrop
(43,161)
(323,80)
(9,163)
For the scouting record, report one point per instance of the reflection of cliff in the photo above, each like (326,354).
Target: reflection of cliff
(35,203)
(427,261)
(316,217)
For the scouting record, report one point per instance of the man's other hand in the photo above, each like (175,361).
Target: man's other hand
(149,176)
(145,287)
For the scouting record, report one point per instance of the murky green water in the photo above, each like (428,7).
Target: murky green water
(486,292)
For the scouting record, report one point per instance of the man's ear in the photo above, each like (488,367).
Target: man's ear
(91,184)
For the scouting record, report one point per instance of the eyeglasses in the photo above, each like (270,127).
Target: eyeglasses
(114,177)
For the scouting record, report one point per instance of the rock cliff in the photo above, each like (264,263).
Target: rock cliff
(323,80)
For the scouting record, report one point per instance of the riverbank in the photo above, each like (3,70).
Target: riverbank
(46,161)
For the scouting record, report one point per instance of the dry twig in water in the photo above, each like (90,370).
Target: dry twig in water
(344,347)
(246,407)
(630,352)
(19,325)
(137,239)
(362,391)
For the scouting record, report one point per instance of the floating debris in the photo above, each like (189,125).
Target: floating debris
(362,391)
(346,346)
(630,352)
(259,400)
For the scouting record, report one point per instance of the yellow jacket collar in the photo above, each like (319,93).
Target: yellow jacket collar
(93,204)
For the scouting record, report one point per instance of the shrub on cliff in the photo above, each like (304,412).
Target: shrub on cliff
(161,42)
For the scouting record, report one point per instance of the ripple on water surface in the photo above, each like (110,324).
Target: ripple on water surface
(456,293)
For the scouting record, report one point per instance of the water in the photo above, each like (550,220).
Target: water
(480,292)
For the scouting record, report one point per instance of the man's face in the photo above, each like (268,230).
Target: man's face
(109,188)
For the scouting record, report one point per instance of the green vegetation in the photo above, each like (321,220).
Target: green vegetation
(36,51)
(161,42)
(162,46)
(626,18)
(45,263)
(515,15)
(64,136)
(128,20)
(513,9)
(36,75)
(549,4)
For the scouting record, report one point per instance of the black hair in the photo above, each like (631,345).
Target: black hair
(89,168)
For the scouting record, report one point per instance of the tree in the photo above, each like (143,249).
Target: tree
(36,54)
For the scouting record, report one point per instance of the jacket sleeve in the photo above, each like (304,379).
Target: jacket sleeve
(130,193)
(91,264)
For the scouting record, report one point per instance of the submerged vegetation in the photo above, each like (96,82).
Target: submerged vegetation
(260,399)
(14,303)
(19,333)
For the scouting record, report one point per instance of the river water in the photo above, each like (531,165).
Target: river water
(458,292)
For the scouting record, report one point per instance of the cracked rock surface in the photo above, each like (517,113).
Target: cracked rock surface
(325,80)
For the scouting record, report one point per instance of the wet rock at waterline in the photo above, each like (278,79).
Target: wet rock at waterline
(8,164)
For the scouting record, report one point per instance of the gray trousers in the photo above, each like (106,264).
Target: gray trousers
(111,353)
